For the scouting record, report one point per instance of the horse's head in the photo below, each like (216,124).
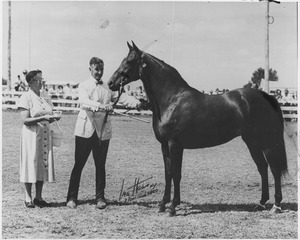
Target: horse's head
(129,70)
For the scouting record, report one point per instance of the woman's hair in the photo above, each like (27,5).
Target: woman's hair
(31,75)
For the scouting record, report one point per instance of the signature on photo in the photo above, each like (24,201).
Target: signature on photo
(140,188)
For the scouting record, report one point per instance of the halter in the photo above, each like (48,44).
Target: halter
(141,65)
(120,91)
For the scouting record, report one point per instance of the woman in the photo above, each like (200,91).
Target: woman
(36,158)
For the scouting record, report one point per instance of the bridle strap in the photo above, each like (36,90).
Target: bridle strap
(106,114)
(119,93)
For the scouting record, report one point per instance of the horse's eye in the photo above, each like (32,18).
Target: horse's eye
(124,74)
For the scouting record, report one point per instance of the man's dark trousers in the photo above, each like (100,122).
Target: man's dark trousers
(83,148)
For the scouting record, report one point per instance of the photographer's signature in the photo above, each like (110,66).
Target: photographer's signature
(140,188)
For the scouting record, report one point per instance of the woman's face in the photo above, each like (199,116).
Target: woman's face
(36,82)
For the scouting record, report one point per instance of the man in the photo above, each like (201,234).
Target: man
(17,84)
(67,92)
(286,98)
(93,130)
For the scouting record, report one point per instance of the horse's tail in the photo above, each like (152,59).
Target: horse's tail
(276,153)
(275,104)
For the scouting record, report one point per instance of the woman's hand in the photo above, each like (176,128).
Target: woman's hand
(57,118)
(49,118)
(54,118)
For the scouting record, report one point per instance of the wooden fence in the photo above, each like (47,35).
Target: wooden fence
(10,101)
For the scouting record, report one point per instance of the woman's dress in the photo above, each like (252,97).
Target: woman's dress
(36,153)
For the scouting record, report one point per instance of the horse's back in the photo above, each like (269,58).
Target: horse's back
(197,120)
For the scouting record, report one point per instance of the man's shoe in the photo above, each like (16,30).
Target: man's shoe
(29,204)
(41,203)
(101,204)
(71,204)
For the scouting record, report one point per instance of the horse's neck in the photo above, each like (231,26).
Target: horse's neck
(161,82)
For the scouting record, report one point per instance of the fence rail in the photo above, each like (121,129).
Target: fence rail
(10,101)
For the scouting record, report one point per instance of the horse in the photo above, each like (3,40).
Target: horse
(184,118)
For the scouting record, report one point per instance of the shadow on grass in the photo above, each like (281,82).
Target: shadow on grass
(187,208)
(190,209)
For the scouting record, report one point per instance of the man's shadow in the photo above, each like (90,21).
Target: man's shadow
(186,208)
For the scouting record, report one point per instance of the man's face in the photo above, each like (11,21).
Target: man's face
(96,71)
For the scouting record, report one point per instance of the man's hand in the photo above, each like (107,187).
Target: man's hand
(139,106)
(106,107)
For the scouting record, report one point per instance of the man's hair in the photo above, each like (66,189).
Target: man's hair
(31,75)
(95,60)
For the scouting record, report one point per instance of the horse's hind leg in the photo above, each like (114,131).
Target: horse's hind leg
(274,156)
(262,166)
(168,179)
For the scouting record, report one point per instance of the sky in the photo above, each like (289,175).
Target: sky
(211,44)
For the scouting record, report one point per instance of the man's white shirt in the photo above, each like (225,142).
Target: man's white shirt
(90,118)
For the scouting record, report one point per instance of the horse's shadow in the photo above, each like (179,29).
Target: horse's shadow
(187,208)
(190,209)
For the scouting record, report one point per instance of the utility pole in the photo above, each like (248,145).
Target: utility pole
(267,57)
(9,46)
(173,31)
(29,35)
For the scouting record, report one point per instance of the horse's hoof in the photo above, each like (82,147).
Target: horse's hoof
(259,207)
(161,209)
(170,212)
(275,210)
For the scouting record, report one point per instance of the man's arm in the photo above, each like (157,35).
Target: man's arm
(85,101)
(126,100)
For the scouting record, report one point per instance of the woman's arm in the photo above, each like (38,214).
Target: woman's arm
(29,121)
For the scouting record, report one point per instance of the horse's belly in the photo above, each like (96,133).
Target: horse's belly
(202,138)
(194,143)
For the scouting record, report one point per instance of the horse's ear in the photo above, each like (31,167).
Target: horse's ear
(135,47)
(130,47)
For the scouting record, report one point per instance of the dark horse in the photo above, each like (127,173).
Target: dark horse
(184,118)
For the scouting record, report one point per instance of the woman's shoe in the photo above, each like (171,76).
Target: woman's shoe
(29,204)
(41,203)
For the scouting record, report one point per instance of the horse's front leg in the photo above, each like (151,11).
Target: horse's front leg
(176,153)
(168,179)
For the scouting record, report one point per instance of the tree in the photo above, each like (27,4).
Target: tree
(260,73)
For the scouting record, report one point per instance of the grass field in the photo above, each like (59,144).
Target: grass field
(219,189)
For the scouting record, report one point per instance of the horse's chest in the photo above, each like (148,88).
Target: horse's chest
(165,130)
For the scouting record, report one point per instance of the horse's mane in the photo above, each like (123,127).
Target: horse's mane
(166,66)
(175,77)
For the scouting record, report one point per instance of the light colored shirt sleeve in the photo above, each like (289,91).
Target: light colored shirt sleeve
(84,99)
(126,100)
(24,102)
